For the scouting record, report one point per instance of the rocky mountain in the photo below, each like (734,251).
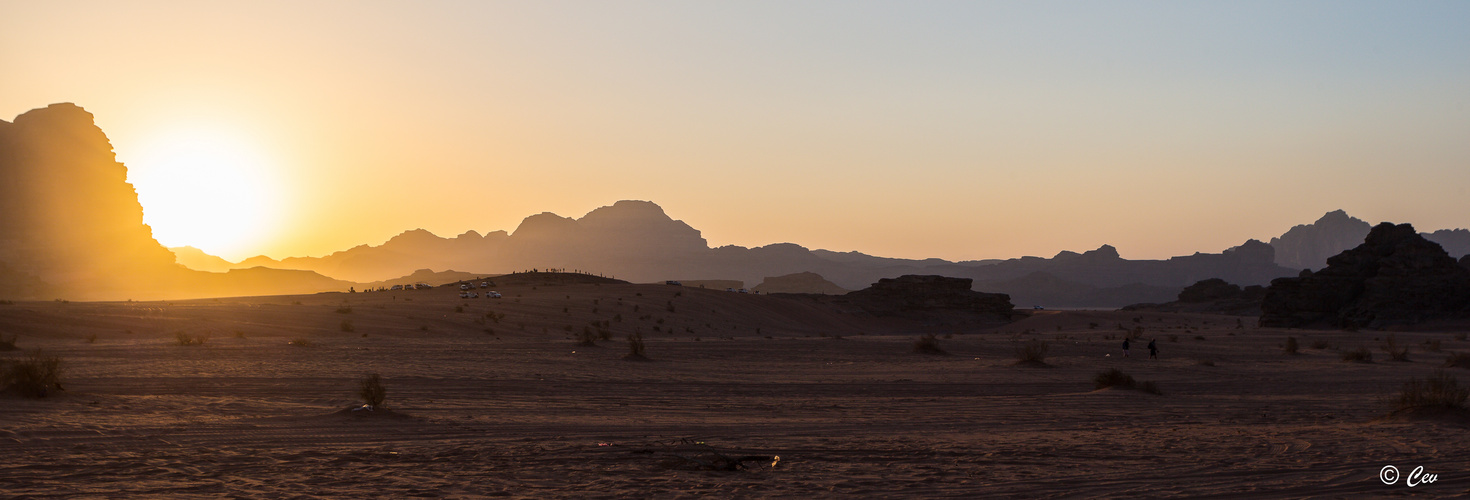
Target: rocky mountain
(1308,246)
(1214,296)
(1396,276)
(73,227)
(638,241)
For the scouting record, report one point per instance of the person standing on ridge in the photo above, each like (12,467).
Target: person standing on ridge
(1153,349)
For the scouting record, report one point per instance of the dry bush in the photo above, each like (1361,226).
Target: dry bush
(344,310)
(1320,344)
(928,344)
(1395,352)
(8,344)
(586,338)
(1150,387)
(346,326)
(1460,336)
(92,339)
(1291,345)
(300,342)
(1173,338)
(1206,362)
(1432,345)
(1458,360)
(185,339)
(1359,355)
(635,346)
(1437,391)
(1113,378)
(371,390)
(1032,352)
(34,376)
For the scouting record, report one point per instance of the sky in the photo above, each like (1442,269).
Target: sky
(958,130)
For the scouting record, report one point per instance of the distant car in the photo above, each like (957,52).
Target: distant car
(484,284)
(465,286)
(672,282)
(396,288)
(742,290)
(464,295)
(729,289)
(492,294)
(1038,308)
(423,286)
(474,295)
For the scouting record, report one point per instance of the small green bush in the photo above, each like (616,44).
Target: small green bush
(1113,377)
(1032,352)
(371,390)
(1359,355)
(928,344)
(186,339)
(36,376)
(1439,390)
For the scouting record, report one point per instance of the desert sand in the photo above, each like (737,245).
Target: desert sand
(513,406)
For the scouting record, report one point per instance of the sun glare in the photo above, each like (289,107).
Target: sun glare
(206,189)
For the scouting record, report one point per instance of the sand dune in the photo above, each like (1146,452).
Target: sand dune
(518,408)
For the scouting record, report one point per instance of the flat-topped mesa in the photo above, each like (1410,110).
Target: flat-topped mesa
(915,293)
(1395,277)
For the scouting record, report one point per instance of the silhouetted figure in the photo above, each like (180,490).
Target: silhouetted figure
(1125,348)
(1153,349)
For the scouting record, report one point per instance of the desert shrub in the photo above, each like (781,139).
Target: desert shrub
(1460,336)
(1032,352)
(1206,362)
(671,306)
(1113,377)
(1439,390)
(300,342)
(371,390)
(928,344)
(346,326)
(8,344)
(1149,387)
(1432,345)
(1199,337)
(344,310)
(459,309)
(1173,338)
(635,346)
(604,334)
(1458,360)
(34,376)
(586,338)
(1395,352)
(1320,344)
(186,339)
(92,339)
(1291,346)
(1359,355)
(239,334)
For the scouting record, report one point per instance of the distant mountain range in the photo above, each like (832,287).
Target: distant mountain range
(73,229)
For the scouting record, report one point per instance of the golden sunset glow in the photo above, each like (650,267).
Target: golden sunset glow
(207,188)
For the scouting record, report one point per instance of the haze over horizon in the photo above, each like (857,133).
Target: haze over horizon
(959,130)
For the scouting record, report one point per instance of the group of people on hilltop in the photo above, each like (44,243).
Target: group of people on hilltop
(1153,348)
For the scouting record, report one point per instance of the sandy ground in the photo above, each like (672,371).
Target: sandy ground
(513,406)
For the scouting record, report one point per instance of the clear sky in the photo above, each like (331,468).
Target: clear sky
(960,130)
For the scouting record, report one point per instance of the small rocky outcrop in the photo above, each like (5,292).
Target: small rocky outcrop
(931,298)
(1213,295)
(1395,277)
(799,283)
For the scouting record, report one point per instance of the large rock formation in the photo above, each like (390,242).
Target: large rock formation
(799,283)
(1395,277)
(72,226)
(1308,246)
(936,299)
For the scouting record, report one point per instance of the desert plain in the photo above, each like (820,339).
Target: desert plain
(501,398)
